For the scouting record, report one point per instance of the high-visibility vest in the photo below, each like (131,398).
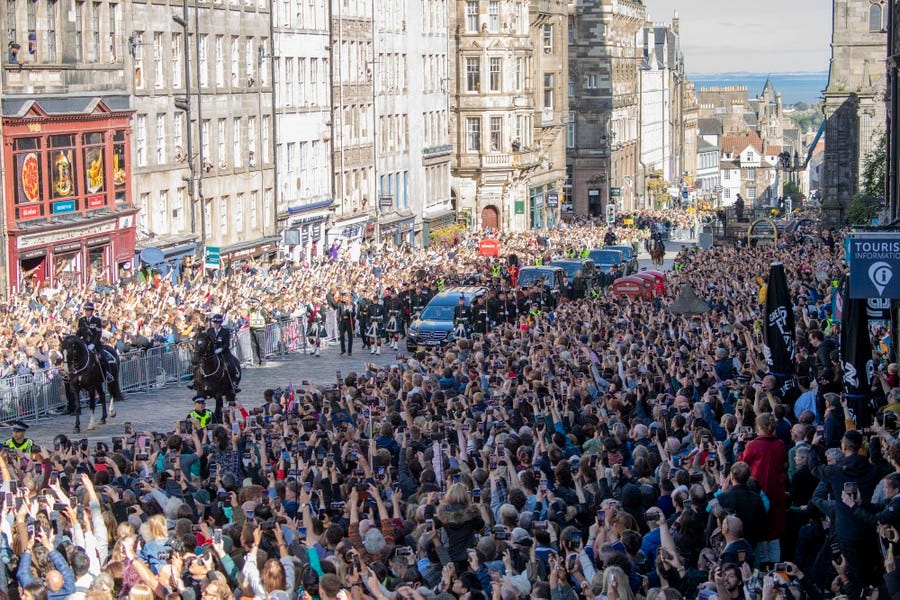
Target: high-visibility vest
(203,419)
(25,447)
(495,271)
(257,321)
(539,261)
(440,285)
(585,253)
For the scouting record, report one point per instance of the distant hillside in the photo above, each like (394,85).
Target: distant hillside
(794,87)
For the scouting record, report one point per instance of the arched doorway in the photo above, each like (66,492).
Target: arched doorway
(490,218)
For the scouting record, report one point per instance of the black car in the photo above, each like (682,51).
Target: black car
(572,265)
(434,327)
(554,278)
(628,256)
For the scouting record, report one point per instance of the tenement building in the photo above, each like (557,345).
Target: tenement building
(69,215)
(509,67)
(604,95)
(203,127)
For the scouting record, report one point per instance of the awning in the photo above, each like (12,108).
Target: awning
(350,228)
(172,246)
(250,247)
(398,221)
(294,210)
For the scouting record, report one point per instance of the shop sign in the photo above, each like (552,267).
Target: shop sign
(386,202)
(66,206)
(46,239)
(615,192)
(100,241)
(389,229)
(213,257)
(70,247)
(95,201)
(27,212)
(304,236)
(317,232)
(552,199)
(37,253)
(520,207)
(406,227)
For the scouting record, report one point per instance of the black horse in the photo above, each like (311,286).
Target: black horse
(213,374)
(84,373)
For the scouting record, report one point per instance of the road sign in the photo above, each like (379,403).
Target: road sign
(213,257)
(875,266)
(615,191)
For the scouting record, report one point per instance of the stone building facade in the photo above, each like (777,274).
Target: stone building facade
(509,67)
(303,132)
(604,58)
(231,127)
(855,111)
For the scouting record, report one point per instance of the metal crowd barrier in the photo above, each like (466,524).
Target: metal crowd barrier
(29,397)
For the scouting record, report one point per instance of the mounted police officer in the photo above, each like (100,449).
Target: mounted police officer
(90,331)
(221,339)
(18,441)
(201,415)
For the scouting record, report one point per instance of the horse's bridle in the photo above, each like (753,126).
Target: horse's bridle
(83,368)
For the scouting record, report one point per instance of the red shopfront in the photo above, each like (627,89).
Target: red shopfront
(69,212)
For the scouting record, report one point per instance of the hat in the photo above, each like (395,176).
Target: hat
(201,497)
(19,426)
(199,398)
(88,306)
(216,318)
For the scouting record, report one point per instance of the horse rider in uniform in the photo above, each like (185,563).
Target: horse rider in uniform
(221,339)
(18,441)
(90,331)
(201,415)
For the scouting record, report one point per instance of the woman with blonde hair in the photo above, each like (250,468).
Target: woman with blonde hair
(459,520)
(616,585)
(140,592)
(156,535)
(217,590)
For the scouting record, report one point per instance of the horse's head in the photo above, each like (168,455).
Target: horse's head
(202,344)
(72,349)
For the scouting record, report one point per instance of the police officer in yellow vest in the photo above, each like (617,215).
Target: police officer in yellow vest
(201,415)
(258,333)
(18,441)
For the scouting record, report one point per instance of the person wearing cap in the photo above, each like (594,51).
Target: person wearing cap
(18,441)
(462,318)
(221,339)
(90,331)
(201,415)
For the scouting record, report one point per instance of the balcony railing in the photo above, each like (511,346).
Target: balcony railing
(496,161)
(526,158)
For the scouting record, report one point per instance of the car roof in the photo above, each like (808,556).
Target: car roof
(547,268)
(451,295)
(569,261)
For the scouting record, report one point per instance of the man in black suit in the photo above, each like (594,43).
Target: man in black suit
(346,321)
(743,502)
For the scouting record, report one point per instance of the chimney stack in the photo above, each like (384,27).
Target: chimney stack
(675,22)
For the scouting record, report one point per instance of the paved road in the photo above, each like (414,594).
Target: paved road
(159,410)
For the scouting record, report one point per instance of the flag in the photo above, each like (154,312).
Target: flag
(779,348)
(857,366)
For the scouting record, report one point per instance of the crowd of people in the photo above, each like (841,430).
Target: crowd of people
(604,449)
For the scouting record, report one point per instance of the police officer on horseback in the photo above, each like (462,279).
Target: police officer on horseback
(221,340)
(90,331)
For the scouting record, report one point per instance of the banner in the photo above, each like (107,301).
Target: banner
(780,347)
(857,367)
(873,260)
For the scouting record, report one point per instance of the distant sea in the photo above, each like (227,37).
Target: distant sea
(794,87)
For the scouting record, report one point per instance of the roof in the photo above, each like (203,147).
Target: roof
(65,105)
(735,144)
(710,126)
(773,150)
(704,146)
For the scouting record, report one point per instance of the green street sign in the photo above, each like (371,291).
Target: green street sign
(213,257)
(520,207)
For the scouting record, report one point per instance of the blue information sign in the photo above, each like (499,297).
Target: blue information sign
(66,206)
(875,266)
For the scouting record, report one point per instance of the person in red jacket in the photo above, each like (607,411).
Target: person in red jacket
(767,456)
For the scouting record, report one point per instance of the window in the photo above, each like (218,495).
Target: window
(571,87)
(161,138)
(204,62)
(473,134)
(726,174)
(94,48)
(220,61)
(289,155)
(548,38)
(249,60)
(751,156)
(727,193)
(472,16)
(266,128)
(548,91)
(751,174)
(496,134)
(590,82)
(239,213)
(261,57)
(289,82)
(31,7)
(223,214)
(235,60)
(161,214)
(473,74)
(178,136)
(267,207)
(236,142)
(204,144)
(751,193)
(495,74)
(571,30)
(52,16)
(570,131)
(517,75)
(158,77)
(140,139)
(875,13)
(251,141)
(79,31)
(11,24)
(494,16)
(301,82)
(254,210)
(178,209)
(177,57)
(314,81)
(220,139)
(138,59)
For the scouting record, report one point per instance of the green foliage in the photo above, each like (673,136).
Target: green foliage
(801,106)
(806,118)
(791,189)
(861,211)
(874,179)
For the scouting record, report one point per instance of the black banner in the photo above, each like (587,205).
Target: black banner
(857,366)
(780,347)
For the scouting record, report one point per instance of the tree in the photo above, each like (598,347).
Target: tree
(801,106)
(791,189)
(874,179)
(862,210)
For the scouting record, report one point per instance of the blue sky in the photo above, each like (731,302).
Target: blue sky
(763,36)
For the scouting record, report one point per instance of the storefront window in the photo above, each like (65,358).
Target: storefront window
(94,170)
(61,165)
(97,262)
(28,178)
(66,271)
(119,166)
